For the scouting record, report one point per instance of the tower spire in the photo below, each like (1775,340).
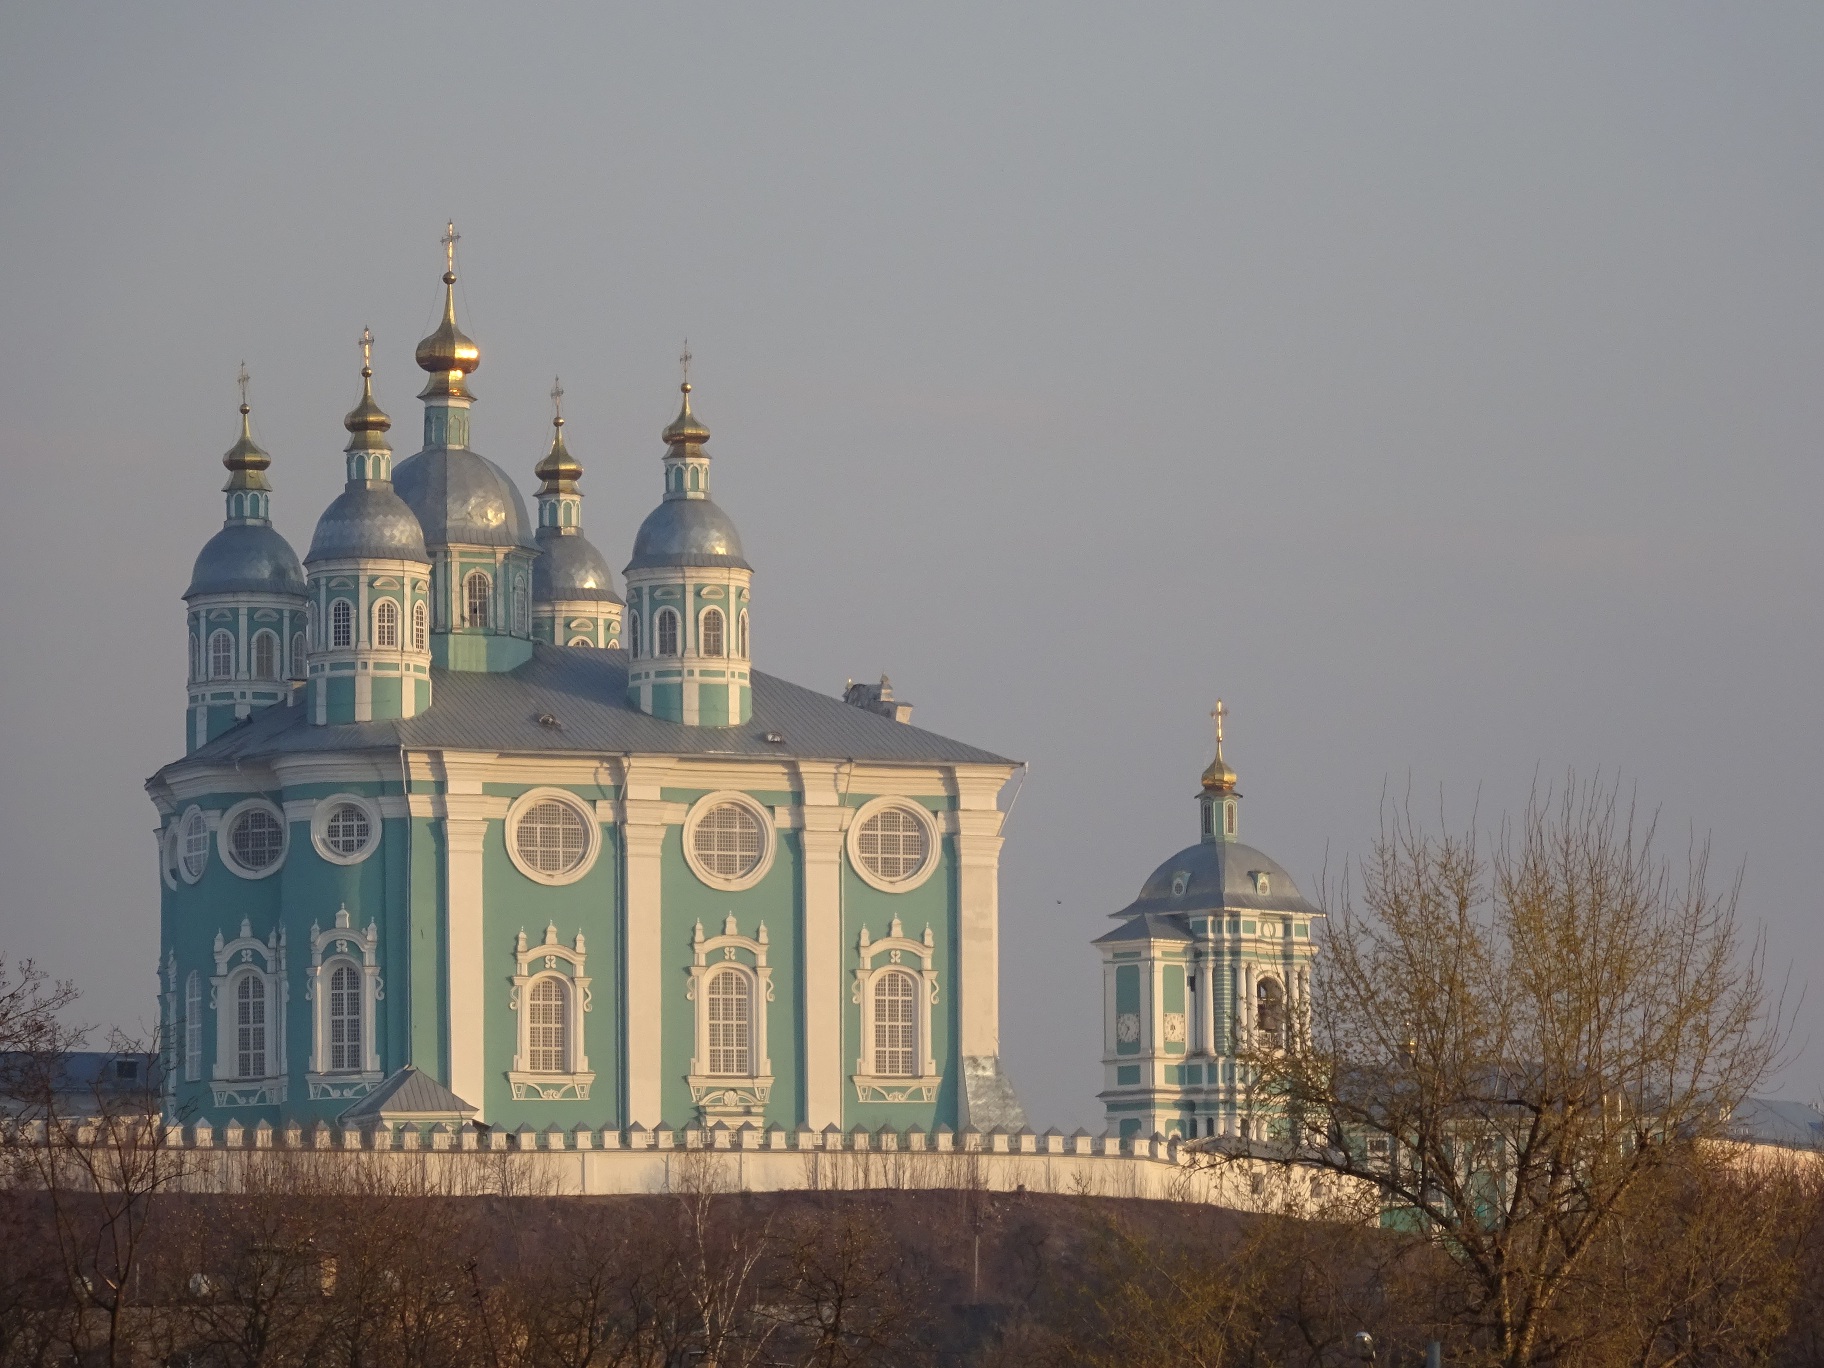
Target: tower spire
(448,353)
(559,470)
(1219,777)
(1220,802)
(248,489)
(370,455)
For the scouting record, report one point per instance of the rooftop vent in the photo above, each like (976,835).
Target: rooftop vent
(877,698)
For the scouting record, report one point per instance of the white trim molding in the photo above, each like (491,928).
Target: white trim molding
(592,834)
(870,1084)
(762,815)
(933,843)
(560,961)
(185,826)
(225,837)
(341,945)
(319,827)
(726,1094)
(234,961)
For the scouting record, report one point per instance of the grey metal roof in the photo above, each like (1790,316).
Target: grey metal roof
(685,531)
(246,558)
(1768,1121)
(585,692)
(368,520)
(1219,875)
(409,1093)
(1146,926)
(569,568)
(463,498)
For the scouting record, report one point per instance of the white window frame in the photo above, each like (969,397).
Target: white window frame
(933,847)
(592,835)
(487,622)
(300,656)
(722,633)
(658,634)
(730,952)
(278,655)
(522,608)
(193,1026)
(319,827)
(900,952)
(768,840)
(337,946)
(234,959)
(217,635)
(340,622)
(741,640)
(421,619)
(380,606)
(183,841)
(551,957)
(169,852)
(196,656)
(224,838)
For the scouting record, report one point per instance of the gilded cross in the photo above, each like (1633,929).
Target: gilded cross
(242,380)
(1218,713)
(367,350)
(684,360)
(557,399)
(449,239)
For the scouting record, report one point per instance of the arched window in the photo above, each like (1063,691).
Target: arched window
(341,623)
(478,599)
(419,640)
(386,623)
(712,631)
(741,636)
(895,1025)
(548,1047)
(1270,1010)
(299,664)
(581,641)
(193,1026)
(265,655)
(250,1027)
(196,656)
(221,655)
(633,634)
(344,1018)
(730,1024)
(666,630)
(522,616)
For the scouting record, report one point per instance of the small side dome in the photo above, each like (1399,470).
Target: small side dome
(246,558)
(687,532)
(368,522)
(462,498)
(570,570)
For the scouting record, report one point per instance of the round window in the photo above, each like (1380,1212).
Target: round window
(256,840)
(348,829)
(551,837)
(728,841)
(892,844)
(193,843)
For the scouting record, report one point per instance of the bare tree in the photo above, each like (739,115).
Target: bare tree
(1507,1044)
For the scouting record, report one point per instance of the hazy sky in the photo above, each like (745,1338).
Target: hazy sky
(1438,385)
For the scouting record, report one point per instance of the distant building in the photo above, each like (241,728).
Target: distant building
(453,803)
(1212,959)
(77,1082)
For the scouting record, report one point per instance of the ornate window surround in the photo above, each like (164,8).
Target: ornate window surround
(329,950)
(319,827)
(769,842)
(168,851)
(225,837)
(933,843)
(897,947)
(729,1095)
(592,834)
(561,961)
(183,859)
(233,960)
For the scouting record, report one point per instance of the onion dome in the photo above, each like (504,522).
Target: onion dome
(687,528)
(569,569)
(368,520)
(248,556)
(686,428)
(559,471)
(1219,778)
(448,353)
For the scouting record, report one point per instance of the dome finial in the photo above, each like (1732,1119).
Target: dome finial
(366,422)
(448,354)
(686,428)
(247,462)
(1219,777)
(559,470)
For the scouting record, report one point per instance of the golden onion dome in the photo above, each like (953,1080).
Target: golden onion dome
(448,353)
(686,428)
(246,454)
(366,421)
(559,469)
(1219,778)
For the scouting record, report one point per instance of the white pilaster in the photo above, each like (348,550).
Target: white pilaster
(644,835)
(823,944)
(465,832)
(978,851)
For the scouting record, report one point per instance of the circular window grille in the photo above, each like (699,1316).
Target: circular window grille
(893,845)
(256,840)
(195,841)
(728,841)
(347,830)
(551,837)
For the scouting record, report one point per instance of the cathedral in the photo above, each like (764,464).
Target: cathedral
(468,830)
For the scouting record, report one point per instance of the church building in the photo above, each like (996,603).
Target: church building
(463,830)
(1210,964)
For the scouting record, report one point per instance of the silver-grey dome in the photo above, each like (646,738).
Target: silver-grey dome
(462,498)
(369,521)
(1218,874)
(687,532)
(569,568)
(246,558)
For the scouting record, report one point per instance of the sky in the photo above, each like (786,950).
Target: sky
(1435,384)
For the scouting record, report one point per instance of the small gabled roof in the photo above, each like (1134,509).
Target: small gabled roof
(410,1095)
(1147,926)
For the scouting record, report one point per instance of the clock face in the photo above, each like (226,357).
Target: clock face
(1127,1027)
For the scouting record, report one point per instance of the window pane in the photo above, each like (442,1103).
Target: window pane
(257,840)
(668,633)
(712,632)
(728,841)
(345,1018)
(250,1027)
(347,829)
(551,837)
(730,1002)
(341,623)
(892,844)
(221,655)
(196,845)
(547,1028)
(895,1034)
(478,593)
